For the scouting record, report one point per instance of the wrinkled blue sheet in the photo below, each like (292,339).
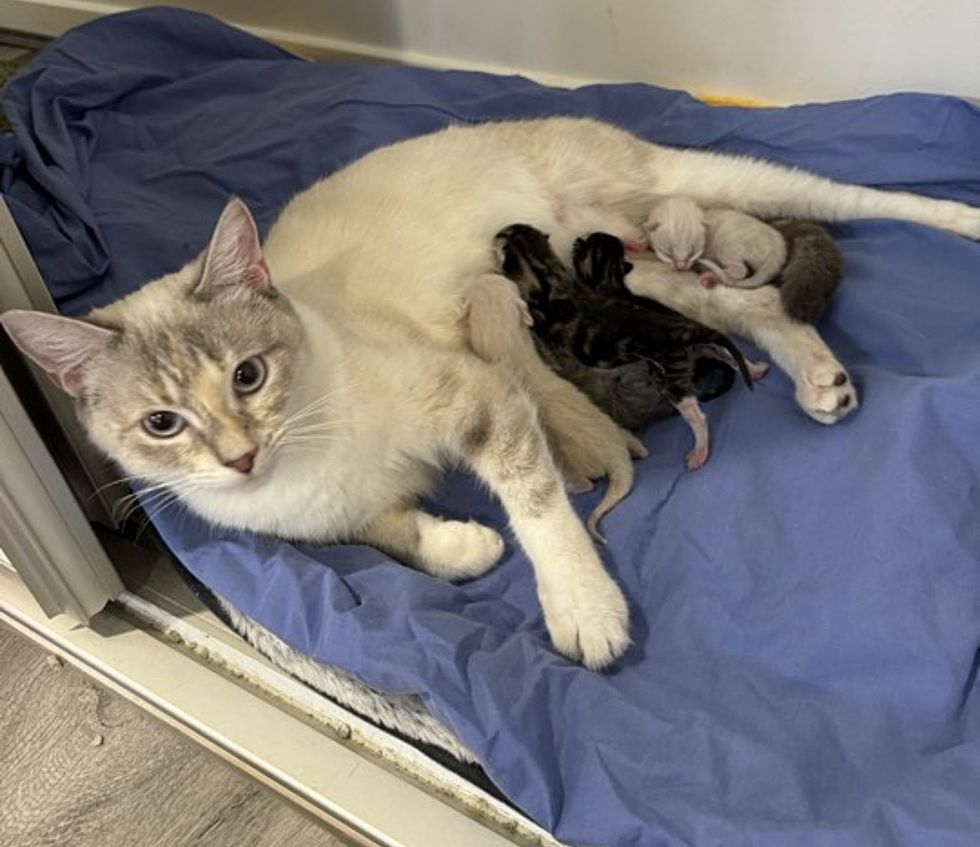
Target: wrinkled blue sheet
(806,609)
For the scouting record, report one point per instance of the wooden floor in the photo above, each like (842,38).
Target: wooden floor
(80,766)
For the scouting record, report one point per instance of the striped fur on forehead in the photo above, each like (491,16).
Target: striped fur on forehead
(166,332)
(176,351)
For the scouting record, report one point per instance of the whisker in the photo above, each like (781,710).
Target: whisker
(314,406)
(157,493)
(314,438)
(330,426)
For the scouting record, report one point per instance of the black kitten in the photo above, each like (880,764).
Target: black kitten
(590,318)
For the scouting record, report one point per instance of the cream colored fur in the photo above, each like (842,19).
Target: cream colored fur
(735,240)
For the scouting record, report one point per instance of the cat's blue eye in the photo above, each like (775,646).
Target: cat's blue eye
(249,375)
(163,424)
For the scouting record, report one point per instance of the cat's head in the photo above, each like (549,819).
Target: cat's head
(186,382)
(676,227)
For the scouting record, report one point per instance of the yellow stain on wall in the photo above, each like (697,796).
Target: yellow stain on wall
(728,100)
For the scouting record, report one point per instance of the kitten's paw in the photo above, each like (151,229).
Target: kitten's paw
(460,550)
(825,391)
(579,485)
(637,449)
(636,245)
(635,239)
(696,458)
(757,370)
(587,618)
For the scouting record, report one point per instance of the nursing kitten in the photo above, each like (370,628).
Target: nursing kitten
(676,230)
(496,320)
(592,318)
(384,370)
(739,250)
(813,271)
(496,316)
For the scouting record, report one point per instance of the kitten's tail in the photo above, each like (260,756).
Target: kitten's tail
(619,484)
(813,270)
(721,348)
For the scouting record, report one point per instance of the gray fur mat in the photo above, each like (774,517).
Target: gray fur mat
(405,714)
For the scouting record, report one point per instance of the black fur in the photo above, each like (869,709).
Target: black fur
(635,357)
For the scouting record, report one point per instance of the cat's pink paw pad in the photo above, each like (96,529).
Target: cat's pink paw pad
(708,280)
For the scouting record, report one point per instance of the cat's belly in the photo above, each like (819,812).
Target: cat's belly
(408,227)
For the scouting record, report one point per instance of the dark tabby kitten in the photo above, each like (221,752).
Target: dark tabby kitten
(630,394)
(591,318)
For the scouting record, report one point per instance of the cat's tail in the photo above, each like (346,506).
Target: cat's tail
(619,484)
(813,271)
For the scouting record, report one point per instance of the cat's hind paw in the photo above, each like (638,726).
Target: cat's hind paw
(460,549)
(825,392)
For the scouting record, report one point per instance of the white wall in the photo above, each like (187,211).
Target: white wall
(774,50)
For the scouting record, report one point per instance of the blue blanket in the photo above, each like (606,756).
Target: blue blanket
(806,609)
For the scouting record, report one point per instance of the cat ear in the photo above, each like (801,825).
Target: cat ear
(62,347)
(234,259)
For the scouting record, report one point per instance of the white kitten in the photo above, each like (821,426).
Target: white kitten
(740,250)
(676,228)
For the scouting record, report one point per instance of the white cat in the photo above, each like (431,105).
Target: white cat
(372,381)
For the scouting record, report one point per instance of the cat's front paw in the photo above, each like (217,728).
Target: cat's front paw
(825,392)
(587,619)
(460,550)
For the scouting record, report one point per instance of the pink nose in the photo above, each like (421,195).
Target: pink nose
(244,463)
(681,266)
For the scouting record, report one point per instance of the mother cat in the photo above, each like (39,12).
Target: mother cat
(309,389)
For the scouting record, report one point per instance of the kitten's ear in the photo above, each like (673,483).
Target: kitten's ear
(234,259)
(62,347)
